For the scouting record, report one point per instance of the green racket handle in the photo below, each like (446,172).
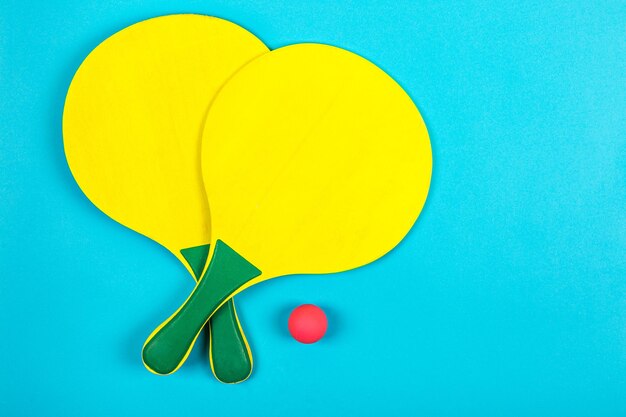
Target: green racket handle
(229,351)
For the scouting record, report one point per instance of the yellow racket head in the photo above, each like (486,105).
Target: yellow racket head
(314,161)
(133,119)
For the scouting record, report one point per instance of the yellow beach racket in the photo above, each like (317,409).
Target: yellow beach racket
(132,128)
(315,161)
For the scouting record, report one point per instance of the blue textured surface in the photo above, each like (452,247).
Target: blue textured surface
(508,297)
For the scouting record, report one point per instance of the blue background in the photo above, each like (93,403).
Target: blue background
(508,297)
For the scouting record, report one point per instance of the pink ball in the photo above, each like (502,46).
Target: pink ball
(307,323)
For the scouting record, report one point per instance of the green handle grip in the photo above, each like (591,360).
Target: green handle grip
(229,352)
(169,345)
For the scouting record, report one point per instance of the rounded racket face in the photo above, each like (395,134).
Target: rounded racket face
(133,117)
(314,161)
